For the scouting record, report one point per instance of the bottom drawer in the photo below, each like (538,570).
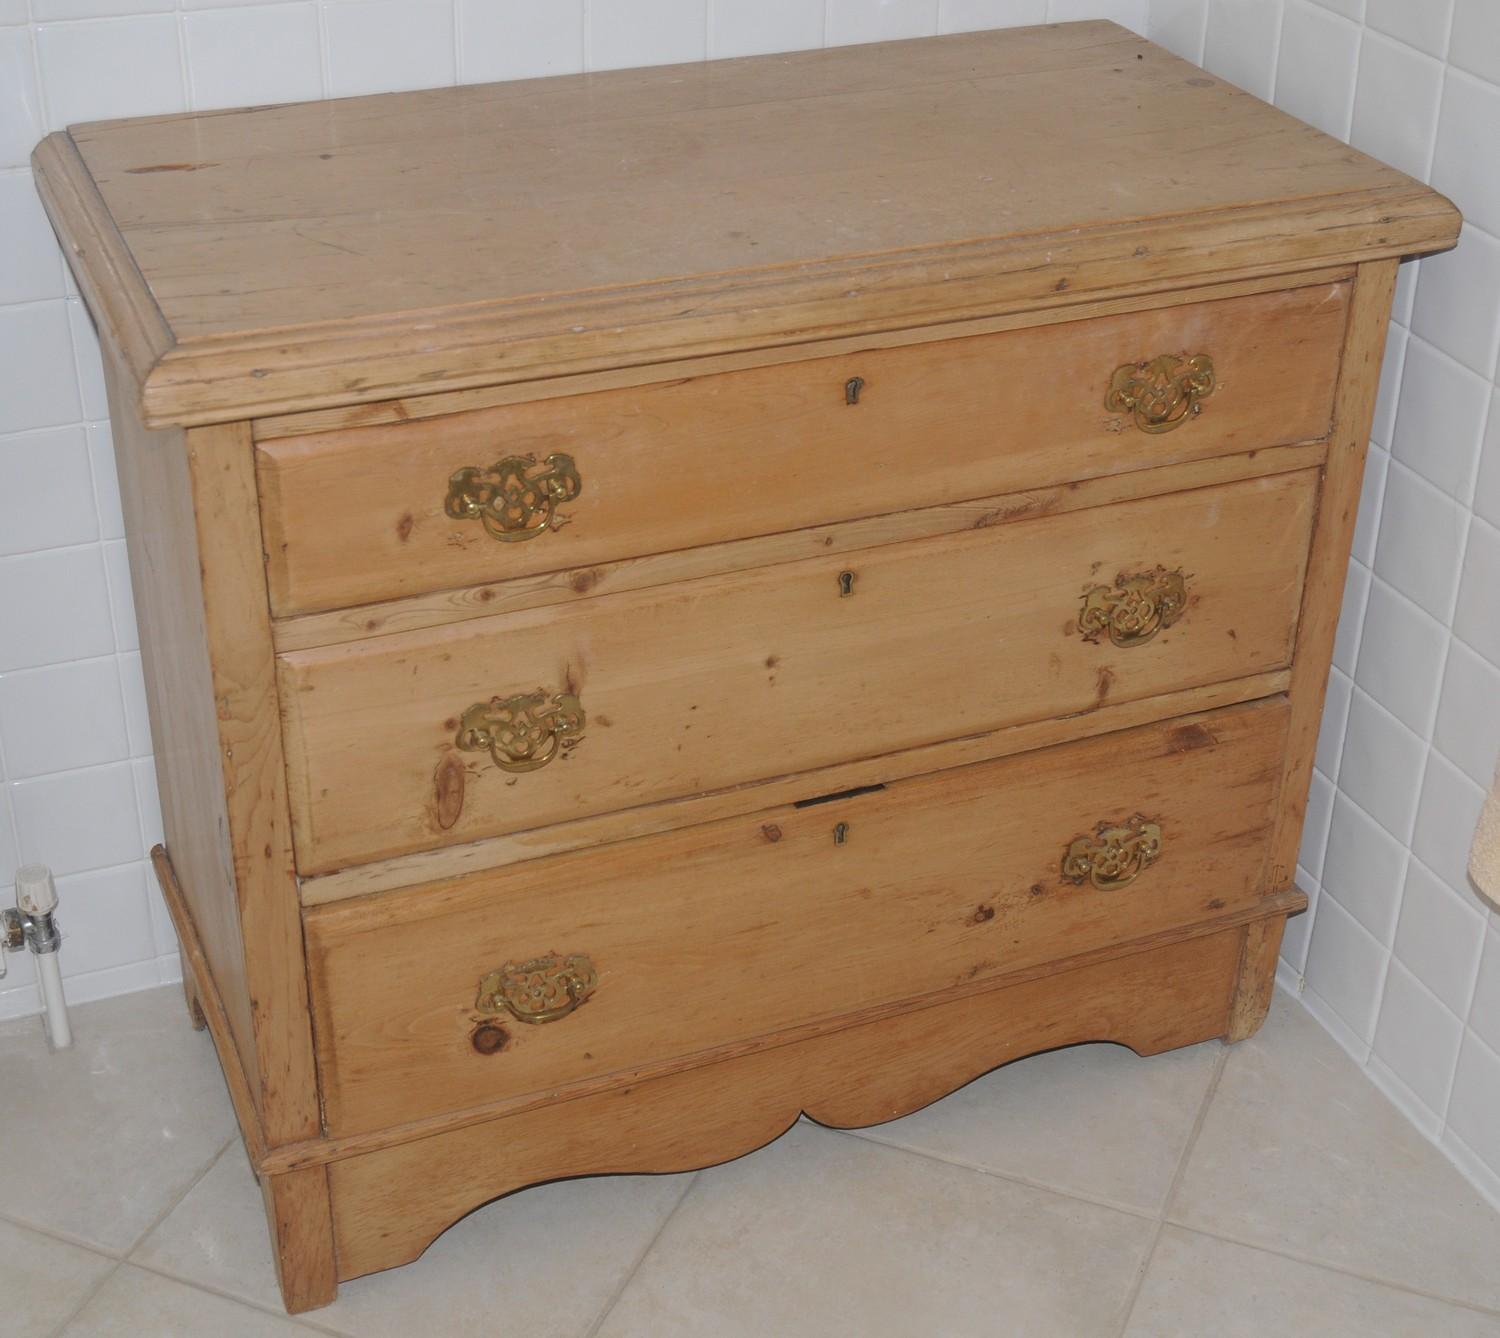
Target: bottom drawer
(426,999)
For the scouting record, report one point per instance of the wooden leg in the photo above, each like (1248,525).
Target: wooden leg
(301,1221)
(190,993)
(1257,978)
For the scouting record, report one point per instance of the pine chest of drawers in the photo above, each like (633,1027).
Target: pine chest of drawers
(676,598)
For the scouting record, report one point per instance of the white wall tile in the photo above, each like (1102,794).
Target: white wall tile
(519,39)
(78,820)
(1421,541)
(1132,14)
(13,11)
(852,21)
(1476,1098)
(1463,166)
(106,481)
(1320,794)
(1179,25)
(1241,43)
(1487,491)
(1345,966)
(1417,1037)
(1484,1011)
(111,67)
(148,802)
(1468,721)
(750,27)
(1396,100)
(1364,868)
(377,46)
(957,16)
(1419,23)
(61,717)
(107,919)
(1383,427)
(1315,71)
(88,359)
(1401,655)
(44,498)
(36,350)
(20,103)
(1476,38)
(1439,937)
(1381,769)
(1350,9)
(1441,417)
(30,266)
(45,11)
(1477,618)
(121,599)
(1372,491)
(137,714)
(649,32)
(1335,719)
(54,606)
(1458,301)
(260,54)
(1445,822)
(1351,616)
(1406,290)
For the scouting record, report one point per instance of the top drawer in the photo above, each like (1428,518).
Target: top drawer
(374,513)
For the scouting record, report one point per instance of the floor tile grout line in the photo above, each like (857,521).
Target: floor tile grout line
(67,1320)
(1132,1298)
(62,1237)
(1010,1178)
(275,1309)
(1327,1267)
(635,1268)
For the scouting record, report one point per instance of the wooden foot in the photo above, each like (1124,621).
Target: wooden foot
(1257,978)
(301,1221)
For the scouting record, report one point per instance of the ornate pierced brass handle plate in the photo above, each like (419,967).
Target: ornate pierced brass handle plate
(522,733)
(515,498)
(1114,856)
(1135,608)
(1163,393)
(541,990)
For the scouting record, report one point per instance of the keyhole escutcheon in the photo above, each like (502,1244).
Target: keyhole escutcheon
(846,583)
(840,833)
(852,387)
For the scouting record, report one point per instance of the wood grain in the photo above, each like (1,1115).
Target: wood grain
(252,775)
(498,852)
(709,936)
(389,1205)
(311,630)
(731,680)
(324,254)
(299,1210)
(1328,560)
(359,515)
(1256,981)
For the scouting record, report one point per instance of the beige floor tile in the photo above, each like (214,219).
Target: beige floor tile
(825,1234)
(42,1281)
(132,1114)
(136,1304)
(1095,1120)
(1301,1153)
(1198,1286)
(547,1260)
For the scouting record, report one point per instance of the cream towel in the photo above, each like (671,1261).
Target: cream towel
(1484,862)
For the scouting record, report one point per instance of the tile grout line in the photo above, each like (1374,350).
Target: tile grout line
(122,1260)
(635,1268)
(1373,1278)
(990,1172)
(1134,1296)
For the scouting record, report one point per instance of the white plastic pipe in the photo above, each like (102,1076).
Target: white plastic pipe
(36,896)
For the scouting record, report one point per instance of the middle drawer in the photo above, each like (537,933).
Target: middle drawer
(421,739)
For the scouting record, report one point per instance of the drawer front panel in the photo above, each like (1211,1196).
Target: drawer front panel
(504,724)
(674,944)
(380,512)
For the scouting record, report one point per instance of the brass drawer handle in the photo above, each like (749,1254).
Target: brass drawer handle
(1114,856)
(1135,608)
(1163,393)
(541,990)
(522,733)
(514,499)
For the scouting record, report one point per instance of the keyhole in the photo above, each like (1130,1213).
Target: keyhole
(840,833)
(846,583)
(852,387)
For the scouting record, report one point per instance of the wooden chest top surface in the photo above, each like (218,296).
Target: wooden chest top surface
(260,256)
